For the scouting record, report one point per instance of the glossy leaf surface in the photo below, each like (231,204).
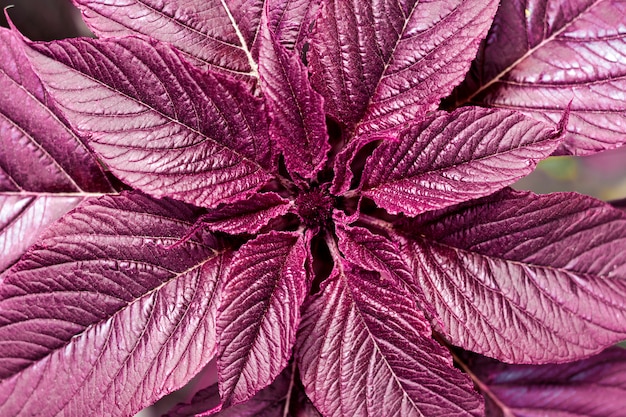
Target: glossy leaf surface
(386,62)
(549,289)
(365,350)
(542,55)
(219,34)
(162,126)
(593,387)
(45,168)
(298,124)
(101,292)
(448,158)
(260,314)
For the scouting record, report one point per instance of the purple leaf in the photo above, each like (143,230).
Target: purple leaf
(216,33)
(539,56)
(384,63)
(248,216)
(524,278)
(298,123)
(22,219)
(342,165)
(364,349)
(100,318)
(271,401)
(161,125)
(594,387)
(45,169)
(379,254)
(448,158)
(260,313)
(290,21)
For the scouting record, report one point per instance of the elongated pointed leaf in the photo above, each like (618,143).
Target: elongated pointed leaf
(525,278)
(99,318)
(45,168)
(383,63)
(594,387)
(291,21)
(448,158)
(364,349)
(248,216)
(38,151)
(260,313)
(284,393)
(298,123)
(216,33)
(380,254)
(540,56)
(161,125)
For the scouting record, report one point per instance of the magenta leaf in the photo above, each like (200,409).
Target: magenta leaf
(45,169)
(379,254)
(285,397)
(291,20)
(382,64)
(260,313)
(100,318)
(448,158)
(524,278)
(161,125)
(22,219)
(247,216)
(541,56)
(364,349)
(215,33)
(594,387)
(298,123)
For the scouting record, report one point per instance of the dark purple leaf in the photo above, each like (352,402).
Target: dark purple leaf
(99,318)
(448,158)
(260,313)
(248,216)
(291,21)
(162,126)
(298,123)
(45,169)
(594,387)
(377,253)
(386,62)
(364,349)
(541,55)
(214,33)
(271,401)
(524,278)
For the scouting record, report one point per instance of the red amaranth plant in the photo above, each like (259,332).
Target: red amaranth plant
(276,184)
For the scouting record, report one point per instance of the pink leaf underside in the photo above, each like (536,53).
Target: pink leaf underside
(247,216)
(260,313)
(218,34)
(379,254)
(99,318)
(594,387)
(365,350)
(380,64)
(447,158)
(298,123)
(45,169)
(524,278)
(161,125)
(269,402)
(542,54)
(342,165)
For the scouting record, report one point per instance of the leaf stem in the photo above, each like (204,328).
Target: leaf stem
(290,390)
